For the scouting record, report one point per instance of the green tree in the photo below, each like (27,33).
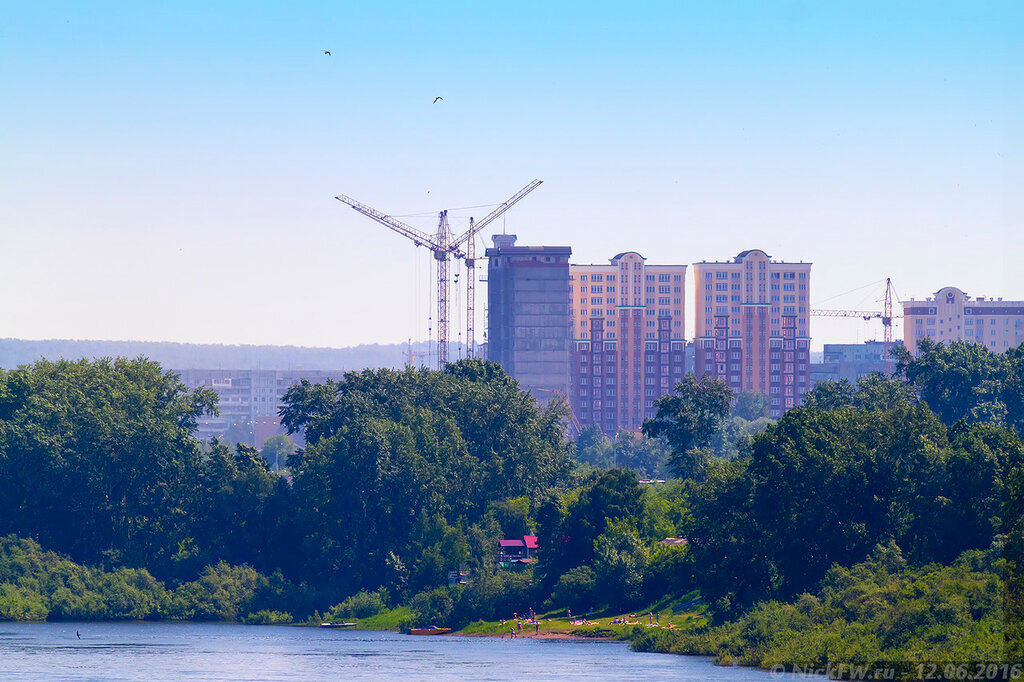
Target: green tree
(620,562)
(751,405)
(594,448)
(830,395)
(963,380)
(822,487)
(688,419)
(644,455)
(97,459)
(385,447)
(277,449)
(569,525)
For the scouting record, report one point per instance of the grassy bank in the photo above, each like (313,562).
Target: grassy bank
(876,612)
(556,624)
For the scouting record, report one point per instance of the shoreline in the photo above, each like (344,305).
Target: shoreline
(543,635)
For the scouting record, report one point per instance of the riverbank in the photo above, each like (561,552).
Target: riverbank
(557,625)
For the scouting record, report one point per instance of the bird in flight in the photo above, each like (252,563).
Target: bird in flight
(437,98)
(327,52)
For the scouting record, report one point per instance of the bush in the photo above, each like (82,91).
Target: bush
(574,588)
(432,607)
(20,604)
(267,617)
(359,605)
(223,592)
(670,572)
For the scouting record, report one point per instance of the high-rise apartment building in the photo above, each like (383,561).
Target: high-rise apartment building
(628,339)
(528,314)
(952,315)
(753,326)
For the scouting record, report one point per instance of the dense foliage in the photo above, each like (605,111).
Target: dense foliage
(401,464)
(824,487)
(36,585)
(878,612)
(409,479)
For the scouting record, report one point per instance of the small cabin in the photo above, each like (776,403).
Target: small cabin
(517,551)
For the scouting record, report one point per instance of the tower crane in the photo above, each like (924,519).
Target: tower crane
(469,238)
(886,316)
(444,246)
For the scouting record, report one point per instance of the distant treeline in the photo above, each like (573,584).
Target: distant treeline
(410,475)
(16,352)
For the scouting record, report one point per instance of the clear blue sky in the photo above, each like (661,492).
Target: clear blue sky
(167,170)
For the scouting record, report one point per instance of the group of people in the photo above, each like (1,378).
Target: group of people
(517,629)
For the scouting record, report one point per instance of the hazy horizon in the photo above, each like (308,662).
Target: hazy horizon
(169,172)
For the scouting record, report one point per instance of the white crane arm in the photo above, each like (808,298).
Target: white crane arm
(407,231)
(493,215)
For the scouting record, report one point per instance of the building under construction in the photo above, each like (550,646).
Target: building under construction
(528,314)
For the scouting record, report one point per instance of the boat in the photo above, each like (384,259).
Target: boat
(432,630)
(337,625)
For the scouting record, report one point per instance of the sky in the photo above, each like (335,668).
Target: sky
(167,170)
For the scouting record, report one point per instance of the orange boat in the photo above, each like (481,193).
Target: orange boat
(432,630)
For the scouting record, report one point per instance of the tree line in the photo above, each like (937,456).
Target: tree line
(409,475)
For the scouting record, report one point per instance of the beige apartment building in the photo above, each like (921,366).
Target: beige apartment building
(628,339)
(952,315)
(753,326)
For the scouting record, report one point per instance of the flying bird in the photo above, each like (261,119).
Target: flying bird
(437,98)
(327,52)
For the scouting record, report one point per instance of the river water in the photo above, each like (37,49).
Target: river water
(174,651)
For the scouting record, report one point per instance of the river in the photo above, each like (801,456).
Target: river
(174,651)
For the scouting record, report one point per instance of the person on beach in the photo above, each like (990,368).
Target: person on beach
(519,626)
(570,615)
(536,627)
(512,633)
(657,617)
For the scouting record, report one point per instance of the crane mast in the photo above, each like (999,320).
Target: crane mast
(444,246)
(471,290)
(886,316)
(469,239)
(444,235)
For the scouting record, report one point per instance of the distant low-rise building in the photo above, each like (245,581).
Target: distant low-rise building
(952,315)
(851,361)
(248,396)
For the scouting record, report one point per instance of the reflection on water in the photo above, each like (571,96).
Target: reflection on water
(164,651)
